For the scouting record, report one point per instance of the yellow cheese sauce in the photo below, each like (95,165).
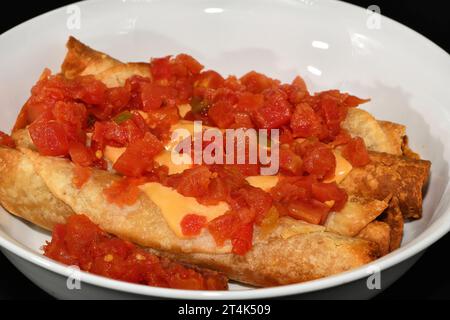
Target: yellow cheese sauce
(175,206)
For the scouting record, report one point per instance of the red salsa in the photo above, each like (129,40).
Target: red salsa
(77,118)
(81,243)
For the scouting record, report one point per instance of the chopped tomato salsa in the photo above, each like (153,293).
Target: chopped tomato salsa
(356,153)
(79,118)
(192,224)
(82,243)
(138,157)
(124,192)
(81,175)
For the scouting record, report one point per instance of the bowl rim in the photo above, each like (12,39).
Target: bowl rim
(424,240)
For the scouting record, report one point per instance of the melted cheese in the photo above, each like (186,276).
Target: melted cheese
(175,206)
(112,154)
(343,168)
(183,109)
(165,158)
(264,182)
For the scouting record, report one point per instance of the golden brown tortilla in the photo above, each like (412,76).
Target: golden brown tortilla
(82,60)
(296,259)
(47,196)
(394,218)
(387,175)
(378,232)
(357,214)
(24,193)
(362,124)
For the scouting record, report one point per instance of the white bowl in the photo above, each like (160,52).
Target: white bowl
(331,44)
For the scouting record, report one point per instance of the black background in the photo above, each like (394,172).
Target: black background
(426,280)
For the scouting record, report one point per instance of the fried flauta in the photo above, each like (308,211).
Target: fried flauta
(394,218)
(378,136)
(42,190)
(25,194)
(357,213)
(387,175)
(82,60)
(307,251)
(380,233)
(299,258)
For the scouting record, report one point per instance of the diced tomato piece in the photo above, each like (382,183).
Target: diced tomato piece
(330,191)
(233,83)
(286,136)
(311,211)
(49,137)
(133,129)
(221,113)
(192,182)
(6,140)
(242,240)
(119,135)
(160,68)
(296,91)
(73,117)
(88,89)
(209,79)
(154,96)
(56,249)
(192,224)
(231,175)
(81,155)
(116,100)
(318,159)
(242,120)
(292,188)
(290,162)
(138,157)
(118,97)
(276,111)
(81,175)
(218,191)
(124,192)
(80,232)
(342,138)
(333,115)
(35,110)
(305,122)
(229,227)
(299,83)
(256,82)
(80,242)
(356,152)
(255,199)
(223,227)
(193,66)
(249,102)
(163,118)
